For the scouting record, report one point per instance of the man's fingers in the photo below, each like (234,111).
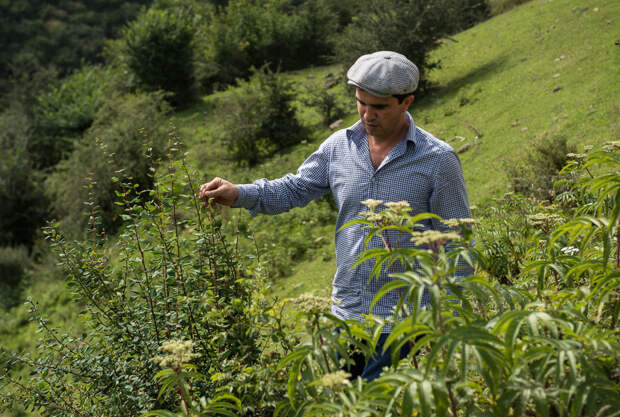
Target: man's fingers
(219,191)
(205,189)
(213,184)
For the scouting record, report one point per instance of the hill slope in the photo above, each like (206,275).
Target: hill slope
(543,69)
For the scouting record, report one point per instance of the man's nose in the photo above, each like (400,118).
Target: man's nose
(369,114)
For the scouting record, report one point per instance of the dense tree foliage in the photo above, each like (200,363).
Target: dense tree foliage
(260,118)
(158,50)
(410,27)
(35,34)
(127,135)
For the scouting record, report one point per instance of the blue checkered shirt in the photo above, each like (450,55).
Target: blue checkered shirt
(421,170)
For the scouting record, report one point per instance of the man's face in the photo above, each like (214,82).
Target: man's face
(383,117)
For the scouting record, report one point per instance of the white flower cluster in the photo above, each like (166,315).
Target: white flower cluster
(545,220)
(335,379)
(372,204)
(177,352)
(311,303)
(569,250)
(458,222)
(429,237)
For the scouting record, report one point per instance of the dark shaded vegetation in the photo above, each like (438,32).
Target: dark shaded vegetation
(14,264)
(37,34)
(128,134)
(540,170)
(260,118)
(157,48)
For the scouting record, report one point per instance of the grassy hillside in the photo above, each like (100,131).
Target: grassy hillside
(543,69)
(546,68)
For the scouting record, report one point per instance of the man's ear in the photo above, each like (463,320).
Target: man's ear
(408,101)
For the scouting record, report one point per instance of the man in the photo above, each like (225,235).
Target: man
(384,156)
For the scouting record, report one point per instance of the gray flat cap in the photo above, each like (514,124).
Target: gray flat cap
(384,74)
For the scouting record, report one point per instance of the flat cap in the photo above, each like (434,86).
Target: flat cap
(384,74)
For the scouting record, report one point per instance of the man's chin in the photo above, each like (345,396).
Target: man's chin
(371,128)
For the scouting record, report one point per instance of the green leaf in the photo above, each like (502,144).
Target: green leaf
(425,393)
(408,399)
(390,286)
(160,413)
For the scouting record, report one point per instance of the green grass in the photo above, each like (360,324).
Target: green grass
(500,76)
(310,276)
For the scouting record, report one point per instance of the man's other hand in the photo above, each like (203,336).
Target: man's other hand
(220,190)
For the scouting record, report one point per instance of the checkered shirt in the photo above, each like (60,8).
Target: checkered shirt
(421,170)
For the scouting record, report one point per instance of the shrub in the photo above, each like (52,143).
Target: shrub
(410,27)
(70,106)
(159,52)
(505,236)
(541,167)
(167,277)
(260,117)
(251,33)
(328,102)
(14,261)
(546,346)
(24,205)
(64,111)
(128,134)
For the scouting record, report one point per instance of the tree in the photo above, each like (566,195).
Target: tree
(158,50)
(410,27)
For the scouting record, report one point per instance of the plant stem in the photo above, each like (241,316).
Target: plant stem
(615,307)
(452,403)
(321,347)
(148,282)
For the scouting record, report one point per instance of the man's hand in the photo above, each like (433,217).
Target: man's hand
(220,190)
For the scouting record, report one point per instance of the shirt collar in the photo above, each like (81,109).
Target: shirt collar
(356,131)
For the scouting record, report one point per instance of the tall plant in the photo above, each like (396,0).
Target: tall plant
(545,345)
(170,275)
(261,118)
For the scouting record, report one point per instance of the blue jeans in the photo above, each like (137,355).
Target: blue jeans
(375,365)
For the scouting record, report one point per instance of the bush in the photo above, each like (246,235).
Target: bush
(410,27)
(260,118)
(64,111)
(251,33)
(328,102)
(541,167)
(14,261)
(128,134)
(159,52)
(165,278)
(70,106)
(24,205)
